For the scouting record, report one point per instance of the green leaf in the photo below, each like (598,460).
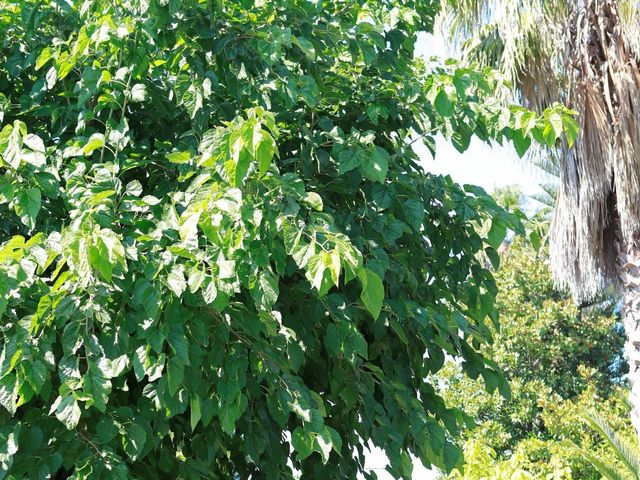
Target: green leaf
(355,344)
(238,168)
(414,213)
(323,443)
(45,55)
(318,272)
(494,257)
(452,456)
(134,441)
(351,260)
(336,440)
(228,416)
(226,268)
(179,157)
(11,145)
(333,339)
(28,205)
(138,92)
(95,141)
(176,281)
(99,259)
(375,165)
(313,200)
(210,292)
(190,94)
(196,278)
(105,253)
(65,64)
(443,104)
(309,90)
(571,129)
(51,78)
(348,159)
(265,151)
(5,288)
(97,385)
(266,291)
(67,411)
(146,296)
(9,392)
(175,375)
(372,295)
(106,430)
(368,53)
(535,240)
(189,228)
(195,411)
(306,46)
(335,262)
(34,142)
(555,121)
(302,443)
(521,143)
(176,336)
(47,183)
(35,373)
(497,233)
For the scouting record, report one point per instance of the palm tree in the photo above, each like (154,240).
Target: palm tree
(586,54)
(627,453)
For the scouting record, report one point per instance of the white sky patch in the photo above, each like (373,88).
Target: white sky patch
(490,166)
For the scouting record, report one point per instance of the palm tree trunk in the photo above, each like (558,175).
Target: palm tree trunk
(629,273)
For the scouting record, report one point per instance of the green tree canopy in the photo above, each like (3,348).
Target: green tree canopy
(559,361)
(218,247)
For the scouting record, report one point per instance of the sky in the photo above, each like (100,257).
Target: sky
(482,164)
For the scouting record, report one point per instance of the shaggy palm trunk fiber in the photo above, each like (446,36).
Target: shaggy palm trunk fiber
(629,272)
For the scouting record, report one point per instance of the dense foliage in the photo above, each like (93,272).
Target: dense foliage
(587,55)
(217,245)
(560,362)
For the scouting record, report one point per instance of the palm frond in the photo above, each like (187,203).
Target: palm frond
(628,454)
(607,470)
(623,397)
(548,196)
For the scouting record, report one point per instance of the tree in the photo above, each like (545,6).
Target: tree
(218,247)
(586,55)
(559,361)
(481,464)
